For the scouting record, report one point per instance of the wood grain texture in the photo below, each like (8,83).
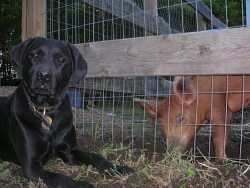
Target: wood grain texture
(210,52)
(33,18)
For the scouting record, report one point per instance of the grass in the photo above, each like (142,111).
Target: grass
(172,169)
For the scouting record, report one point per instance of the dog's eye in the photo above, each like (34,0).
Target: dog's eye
(35,56)
(60,60)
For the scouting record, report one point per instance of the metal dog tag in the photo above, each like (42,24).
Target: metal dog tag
(44,126)
(48,120)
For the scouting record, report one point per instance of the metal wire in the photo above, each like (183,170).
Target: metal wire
(121,116)
(113,99)
(98,20)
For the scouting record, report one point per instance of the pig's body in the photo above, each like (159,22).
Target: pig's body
(198,100)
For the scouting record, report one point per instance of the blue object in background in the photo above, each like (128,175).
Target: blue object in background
(76,98)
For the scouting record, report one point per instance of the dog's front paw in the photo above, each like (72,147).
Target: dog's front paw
(124,170)
(78,184)
(118,170)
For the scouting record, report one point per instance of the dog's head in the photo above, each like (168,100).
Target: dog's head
(46,66)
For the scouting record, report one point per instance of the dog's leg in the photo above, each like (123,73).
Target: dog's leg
(31,152)
(78,157)
(35,172)
(68,151)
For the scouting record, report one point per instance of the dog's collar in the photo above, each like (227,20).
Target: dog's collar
(40,112)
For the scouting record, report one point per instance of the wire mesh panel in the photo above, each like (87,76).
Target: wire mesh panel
(82,21)
(110,110)
(156,113)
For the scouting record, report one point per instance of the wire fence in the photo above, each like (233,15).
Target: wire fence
(81,21)
(124,111)
(130,110)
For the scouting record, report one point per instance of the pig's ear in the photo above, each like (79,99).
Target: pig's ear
(184,89)
(150,106)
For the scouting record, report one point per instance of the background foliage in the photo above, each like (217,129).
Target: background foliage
(10,35)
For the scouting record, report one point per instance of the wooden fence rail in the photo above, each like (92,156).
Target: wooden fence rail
(211,52)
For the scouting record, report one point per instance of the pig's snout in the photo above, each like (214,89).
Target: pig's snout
(176,142)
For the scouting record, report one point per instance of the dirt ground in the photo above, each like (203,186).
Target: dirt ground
(164,170)
(144,149)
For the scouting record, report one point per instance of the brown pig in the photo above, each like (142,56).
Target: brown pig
(198,100)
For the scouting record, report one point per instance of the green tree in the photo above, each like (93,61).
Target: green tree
(230,11)
(10,34)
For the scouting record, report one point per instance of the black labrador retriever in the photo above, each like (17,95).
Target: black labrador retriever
(36,120)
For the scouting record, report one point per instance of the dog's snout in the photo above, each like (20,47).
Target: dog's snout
(44,76)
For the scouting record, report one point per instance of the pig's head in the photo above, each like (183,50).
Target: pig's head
(179,112)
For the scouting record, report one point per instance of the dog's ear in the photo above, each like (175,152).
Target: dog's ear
(79,64)
(18,52)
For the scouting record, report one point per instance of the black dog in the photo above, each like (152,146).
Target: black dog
(36,121)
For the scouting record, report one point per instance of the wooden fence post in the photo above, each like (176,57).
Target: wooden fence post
(202,26)
(150,8)
(33,18)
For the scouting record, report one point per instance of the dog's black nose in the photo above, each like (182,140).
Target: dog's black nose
(44,77)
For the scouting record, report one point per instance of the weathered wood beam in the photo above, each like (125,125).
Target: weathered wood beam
(147,86)
(33,18)
(131,12)
(210,52)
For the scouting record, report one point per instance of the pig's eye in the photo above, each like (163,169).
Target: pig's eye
(180,120)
